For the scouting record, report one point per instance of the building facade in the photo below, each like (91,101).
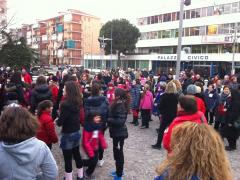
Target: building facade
(209,33)
(3,18)
(64,39)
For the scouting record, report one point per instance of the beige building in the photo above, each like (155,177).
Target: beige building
(65,39)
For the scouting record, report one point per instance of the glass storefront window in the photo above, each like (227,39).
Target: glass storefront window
(210,11)
(212,49)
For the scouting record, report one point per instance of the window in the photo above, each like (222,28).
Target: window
(202,30)
(172,33)
(196,49)
(174,16)
(152,20)
(198,13)
(212,49)
(212,29)
(176,33)
(210,11)
(235,7)
(188,14)
(194,31)
(226,8)
(149,20)
(203,12)
(178,14)
(167,17)
(159,34)
(186,32)
(160,19)
(193,13)
(166,34)
(156,19)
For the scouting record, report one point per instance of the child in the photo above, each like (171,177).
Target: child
(92,138)
(110,93)
(159,92)
(135,100)
(118,129)
(146,105)
(46,133)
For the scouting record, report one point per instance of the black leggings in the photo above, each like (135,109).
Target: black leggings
(67,154)
(146,117)
(118,155)
(101,150)
(162,128)
(91,163)
(209,116)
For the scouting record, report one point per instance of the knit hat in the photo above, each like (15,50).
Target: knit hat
(191,89)
(198,90)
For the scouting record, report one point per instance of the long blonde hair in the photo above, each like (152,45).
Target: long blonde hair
(197,150)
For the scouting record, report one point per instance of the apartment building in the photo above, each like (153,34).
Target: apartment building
(64,39)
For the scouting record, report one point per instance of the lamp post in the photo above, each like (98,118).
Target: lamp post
(179,48)
(234,49)
(103,44)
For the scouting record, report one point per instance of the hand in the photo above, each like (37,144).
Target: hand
(230,125)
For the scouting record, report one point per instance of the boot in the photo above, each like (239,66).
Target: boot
(136,121)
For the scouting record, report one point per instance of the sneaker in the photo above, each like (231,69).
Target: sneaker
(100,163)
(117,178)
(113,174)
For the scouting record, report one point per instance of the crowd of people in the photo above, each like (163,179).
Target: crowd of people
(194,117)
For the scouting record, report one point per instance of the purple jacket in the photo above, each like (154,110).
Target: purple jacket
(147,101)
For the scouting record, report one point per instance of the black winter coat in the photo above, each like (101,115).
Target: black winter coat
(168,106)
(69,117)
(117,120)
(232,114)
(40,94)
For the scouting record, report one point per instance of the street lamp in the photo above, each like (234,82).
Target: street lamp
(234,48)
(103,44)
(179,48)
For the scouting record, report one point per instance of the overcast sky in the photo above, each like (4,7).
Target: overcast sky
(27,11)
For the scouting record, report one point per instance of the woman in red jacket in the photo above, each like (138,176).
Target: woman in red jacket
(187,111)
(92,138)
(46,131)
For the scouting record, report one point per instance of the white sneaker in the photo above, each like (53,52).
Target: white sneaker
(100,163)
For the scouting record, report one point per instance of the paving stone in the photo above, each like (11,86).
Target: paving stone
(140,159)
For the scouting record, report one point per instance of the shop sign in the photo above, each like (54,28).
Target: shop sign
(185,57)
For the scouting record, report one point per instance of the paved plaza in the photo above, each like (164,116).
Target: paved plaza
(140,159)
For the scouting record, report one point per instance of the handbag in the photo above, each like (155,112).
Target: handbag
(220,110)
(236,124)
